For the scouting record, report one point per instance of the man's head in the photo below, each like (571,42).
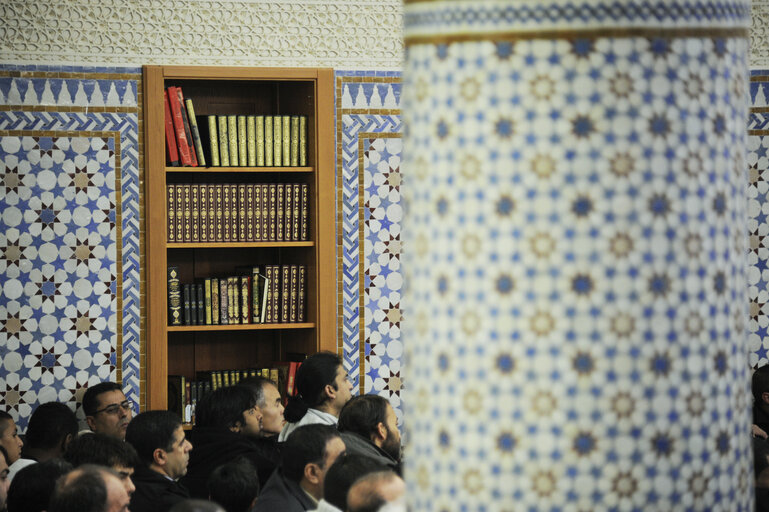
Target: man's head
(322,383)
(234,485)
(269,402)
(105,450)
(89,489)
(343,473)
(51,428)
(33,486)
(158,438)
(9,438)
(4,481)
(106,409)
(372,417)
(196,506)
(233,408)
(374,491)
(308,453)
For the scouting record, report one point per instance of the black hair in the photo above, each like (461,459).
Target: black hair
(91,396)
(305,445)
(4,416)
(49,425)
(195,506)
(33,486)
(151,430)
(224,407)
(256,385)
(101,449)
(372,501)
(234,485)
(86,492)
(314,374)
(343,473)
(760,382)
(362,414)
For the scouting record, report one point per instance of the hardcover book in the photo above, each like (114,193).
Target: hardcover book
(268,270)
(214,301)
(280,210)
(268,146)
(179,213)
(257,213)
(249,216)
(181,135)
(226,213)
(193,304)
(234,212)
(259,141)
(300,313)
(296,213)
(203,218)
(251,139)
(277,141)
(293,290)
(219,212)
(304,212)
(171,152)
(224,142)
(187,128)
(265,212)
(174,297)
(233,294)
(288,214)
(241,189)
(195,217)
(195,132)
(242,142)
(224,307)
(213,140)
(273,210)
(303,141)
(171,213)
(186,304)
(285,293)
(276,282)
(201,296)
(294,141)
(232,139)
(245,302)
(286,122)
(187,213)
(207,295)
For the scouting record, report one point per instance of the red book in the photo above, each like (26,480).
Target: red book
(292,368)
(173,153)
(187,127)
(181,136)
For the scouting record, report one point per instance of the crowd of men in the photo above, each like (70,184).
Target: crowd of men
(327,451)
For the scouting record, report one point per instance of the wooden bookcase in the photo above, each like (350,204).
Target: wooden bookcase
(185,350)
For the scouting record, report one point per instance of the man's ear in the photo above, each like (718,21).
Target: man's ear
(330,391)
(312,473)
(237,427)
(380,434)
(765,397)
(159,456)
(89,420)
(65,442)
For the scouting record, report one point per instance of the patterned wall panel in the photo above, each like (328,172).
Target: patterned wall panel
(69,232)
(368,227)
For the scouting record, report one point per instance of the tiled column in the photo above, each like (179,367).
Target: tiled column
(576,302)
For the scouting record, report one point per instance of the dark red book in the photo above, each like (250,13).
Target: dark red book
(181,135)
(173,153)
(187,127)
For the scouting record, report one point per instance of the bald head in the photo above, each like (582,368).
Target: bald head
(90,488)
(374,491)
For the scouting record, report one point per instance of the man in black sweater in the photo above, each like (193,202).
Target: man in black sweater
(158,438)
(369,427)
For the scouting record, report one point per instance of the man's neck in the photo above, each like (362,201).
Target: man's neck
(328,407)
(160,470)
(40,455)
(313,491)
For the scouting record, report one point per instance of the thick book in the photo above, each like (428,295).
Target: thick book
(195,132)
(275,284)
(257,212)
(249,212)
(302,141)
(214,301)
(288,212)
(294,141)
(242,142)
(232,139)
(296,213)
(277,141)
(286,124)
(224,141)
(292,367)
(259,122)
(186,304)
(193,304)
(265,212)
(245,299)
(187,213)
(242,204)
(171,213)
(234,212)
(195,217)
(280,210)
(273,211)
(268,131)
(226,378)
(212,212)
(207,295)
(213,140)
(226,213)
(187,402)
(257,296)
(203,217)
(300,314)
(224,308)
(303,227)
(201,295)
(285,293)
(233,295)
(174,297)
(251,140)
(187,128)
(293,290)
(179,213)
(171,151)
(268,294)
(219,212)
(181,136)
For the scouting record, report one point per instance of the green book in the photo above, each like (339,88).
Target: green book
(232,127)
(224,151)
(242,142)
(303,141)
(294,141)
(286,122)
(268,161)
(259,141)
(195,132)
(277,141)
(213,141)
(251,140)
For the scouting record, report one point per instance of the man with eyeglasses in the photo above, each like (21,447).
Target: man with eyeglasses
(107,410)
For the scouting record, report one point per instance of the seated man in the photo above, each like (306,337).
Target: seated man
(226,422)
(107,410)
(10,440)
(341,475)
(234,485)
(4,482)
(322,389)
(158,438)
(51,428)
(196,506)
(375,491)
(33,486)
(269,402)
(369,427)
(105,450)
(89,489)
(298,484)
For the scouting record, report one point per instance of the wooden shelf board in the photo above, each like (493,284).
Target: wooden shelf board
(240,327)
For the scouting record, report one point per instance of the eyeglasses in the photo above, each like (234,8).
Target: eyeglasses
(113,409)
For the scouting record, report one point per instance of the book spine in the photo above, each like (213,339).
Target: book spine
(292,366)
(171,213)
(264,290)
(295,216)
(233,308)
(245,299)
(203,219)
(249,212)
(268,295)
(226,212)
(191,304)
(257,213)
(273,210)
(286,122)
(179,213)
(195,213)
(300,313)
(213,141)
(242,204)
(181,135)
(232,131)
(265,212)
(187,214)
(302,141)
(268,161)
(214,301)
(187,129)
(224,142)
(211,206)
(242,142)
(219,212)
(186,304)
(280,210)
(294,141)
(285,293)
(256,302)
(174,297)
(276,293)
(234,213)
(251,139)
(259,141)
(226,377)
(288,215)
(305,212)
(183,398)
(224,307)
(207,292)
(195,132)
(173,152)
(201,296)
(277,141)
(293,290)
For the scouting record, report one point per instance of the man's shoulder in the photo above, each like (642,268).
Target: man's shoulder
(154,492)
(280,493)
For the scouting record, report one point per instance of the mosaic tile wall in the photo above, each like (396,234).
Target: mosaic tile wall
(69,232)
(368,230)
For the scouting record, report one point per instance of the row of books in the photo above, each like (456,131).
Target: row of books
(245,212)
(263,294)
(184,145)
(184,393)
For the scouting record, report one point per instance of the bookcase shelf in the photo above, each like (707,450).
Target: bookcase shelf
(190,349)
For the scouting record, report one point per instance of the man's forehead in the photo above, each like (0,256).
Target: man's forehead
(112,396)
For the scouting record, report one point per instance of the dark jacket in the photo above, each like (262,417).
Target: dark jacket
(217,446)
(359,445)
(283,495)
(760,418)
(155,492)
